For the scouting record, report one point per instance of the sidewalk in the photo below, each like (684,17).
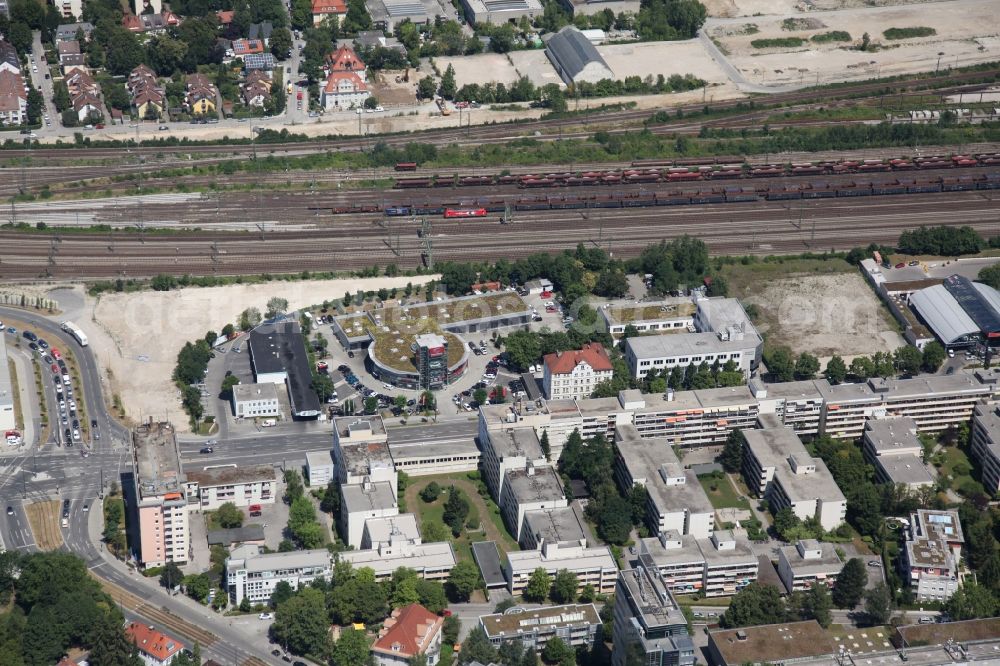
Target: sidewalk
(26,391)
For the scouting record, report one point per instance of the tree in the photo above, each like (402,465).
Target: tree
(276,306)
(171,576)
(557,652)
(990,275)
(281,43)
(933,356)
(909,359)
(731,458)
(431,492)
(480,396)
(862,368)
(538,586)
(426,88)
(817,604)
(352,648)
(780,365)
(564,585)
(866,42)
(806,366)
(229,516)
(165,54)
(197,586)
(371,405)
(543,442)
(878,604)
(971,601)
(282,592)
(301,623)
(463,579)
(431,595)
(477,647)
(523,349)
(331,498)
(610,283)
(249,317)
(451,629)
(456,510)
(755,604)
(448,86)
(124,52)
(836,370)
(850,583)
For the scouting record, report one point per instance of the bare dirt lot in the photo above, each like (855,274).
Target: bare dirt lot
(966,34)
(482,68)
(137,335)
(823,312)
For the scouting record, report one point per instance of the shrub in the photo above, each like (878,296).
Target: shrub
(909,33)
(779,42)
(833,36)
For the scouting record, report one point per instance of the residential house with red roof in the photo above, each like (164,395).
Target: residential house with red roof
(409,631)
(155,648)
(13,99)
(242,47)
(321,9)
(572,375)
(345,59)
(201,94)
(148,97)
(9,59)
(256,89)
(344,90)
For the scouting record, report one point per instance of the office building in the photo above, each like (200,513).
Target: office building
(528,490)
(361,451)
(986,445)
(808,562)
(407,633)
(362,501)
(278,356)
(572,375)
(160,508)
(720,565)
(211,487)
(649,627)
(319,468)
(676,500)
(592,565)
(669,315)
(932,554)
(777,467)
(892,446)
(7,420)
(426,457)
(392,542)
(508,450)
(253,575)
(255,401)
(575,624)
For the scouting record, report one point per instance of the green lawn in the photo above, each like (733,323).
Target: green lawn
(724,494)
(952,457)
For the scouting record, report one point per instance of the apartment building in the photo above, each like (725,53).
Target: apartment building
(255,401)
(572,375)
(211,487)
(360,502)
(649,627)
(507,450)
(719,565)
(798,405)
(777,467)
(160,508)
(253,575)
(676,500)
(986,445)
(592,565)
(361,452)
(933,401)
(933,554)
(391,542)
(891,445)
(559,525)
(671,314)
(575,624)
(526,491)
(808,562)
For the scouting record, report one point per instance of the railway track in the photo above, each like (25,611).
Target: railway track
(352,244)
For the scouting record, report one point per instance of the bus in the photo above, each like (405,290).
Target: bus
(75,331)
(465,212)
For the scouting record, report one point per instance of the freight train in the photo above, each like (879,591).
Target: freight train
(860,187)
(652,171)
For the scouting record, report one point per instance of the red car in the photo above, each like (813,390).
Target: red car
(55,353)
(55,368)
(901,265)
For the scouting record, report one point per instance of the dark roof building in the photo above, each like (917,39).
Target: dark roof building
(959,311)
(575,58)
(769,644)
(278,354)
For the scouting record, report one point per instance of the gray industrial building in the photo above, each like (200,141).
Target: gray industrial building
(960,312)
(500,11)
(575,58)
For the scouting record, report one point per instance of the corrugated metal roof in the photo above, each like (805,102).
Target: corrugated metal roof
(573,51)
(943,314)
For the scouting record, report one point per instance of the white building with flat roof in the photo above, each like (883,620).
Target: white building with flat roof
(777,466)
(528,490)
(253,575)
(319,468)
(593,566)
(255,400)
(986,445)
(668,315)
(511,449)
(676,500)
(211,487)
(362,501)
(575,624)
(361,451)
(807,562)
(892,446)
(391,542)
(719,565)
(425,457)
(932,554)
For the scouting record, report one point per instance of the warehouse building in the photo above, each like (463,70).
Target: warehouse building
(777,466)
(676,501)
(278,356)
(960,312)
(649,627)
(575,59)
(501,11)
(575,624)
(892,446)
(986,445)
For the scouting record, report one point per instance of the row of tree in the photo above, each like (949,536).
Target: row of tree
(783,366)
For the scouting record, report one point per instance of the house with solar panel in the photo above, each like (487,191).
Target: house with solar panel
(962,314)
